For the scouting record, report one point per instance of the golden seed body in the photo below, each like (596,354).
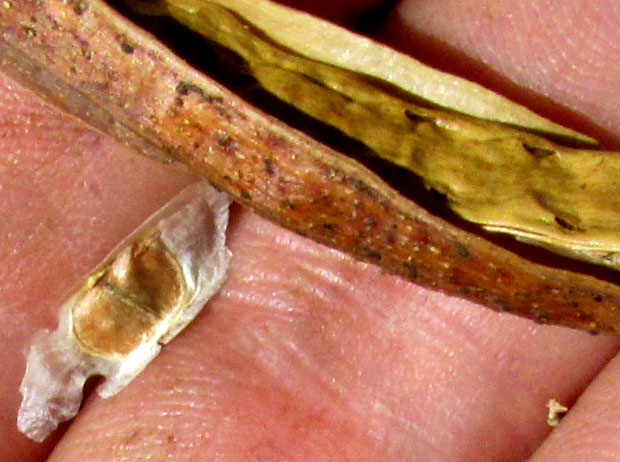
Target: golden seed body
(127,300)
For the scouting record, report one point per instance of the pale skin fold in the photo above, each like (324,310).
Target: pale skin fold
(306,354)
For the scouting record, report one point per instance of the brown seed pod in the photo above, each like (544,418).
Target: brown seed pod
(85,58)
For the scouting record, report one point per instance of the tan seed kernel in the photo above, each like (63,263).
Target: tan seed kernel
(143,285)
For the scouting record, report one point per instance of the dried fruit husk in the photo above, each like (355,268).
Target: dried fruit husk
(299,34)
(504,178)
(92,63)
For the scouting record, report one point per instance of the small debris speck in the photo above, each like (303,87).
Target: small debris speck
(6,5)
(80,8)
(555,412)
(127,47)
(31,31)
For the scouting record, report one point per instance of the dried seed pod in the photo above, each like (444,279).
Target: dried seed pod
(140,297)
(504,178)
(319,176)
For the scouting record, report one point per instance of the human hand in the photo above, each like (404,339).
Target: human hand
(306,354)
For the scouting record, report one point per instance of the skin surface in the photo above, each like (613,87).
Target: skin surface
(306,354)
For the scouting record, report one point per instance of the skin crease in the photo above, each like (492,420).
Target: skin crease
(306,354)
